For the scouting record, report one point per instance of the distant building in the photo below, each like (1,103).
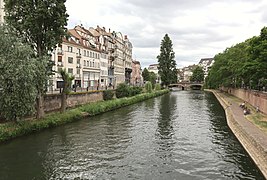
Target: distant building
(136,78)
(185,73)
(154,68)
(2,12)
(206,64)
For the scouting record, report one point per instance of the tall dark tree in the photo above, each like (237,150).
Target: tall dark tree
(198,75)
(42,24)
(167,63)
(145,74)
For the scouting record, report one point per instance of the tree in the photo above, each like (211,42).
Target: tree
(145,74)
(152,78)
(18,73)
(167,63)
(198,75)
(41,24)
(67,79)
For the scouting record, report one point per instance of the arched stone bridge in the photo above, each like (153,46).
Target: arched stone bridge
(186,86)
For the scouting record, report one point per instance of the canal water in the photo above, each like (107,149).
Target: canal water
(181,135)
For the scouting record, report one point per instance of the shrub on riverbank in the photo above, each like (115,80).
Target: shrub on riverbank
(148,87)
(108,94)
(11,130)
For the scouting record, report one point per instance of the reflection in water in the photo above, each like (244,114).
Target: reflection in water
(181,135)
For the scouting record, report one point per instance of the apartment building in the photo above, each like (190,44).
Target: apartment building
(2,12)
(96,58)
(80,55)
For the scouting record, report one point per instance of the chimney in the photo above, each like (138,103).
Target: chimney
(109,30)
(104,29)
(125,37)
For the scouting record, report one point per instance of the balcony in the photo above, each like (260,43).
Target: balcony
(78,55)
(60,64)
(112,58)
(59,51)
(77,76)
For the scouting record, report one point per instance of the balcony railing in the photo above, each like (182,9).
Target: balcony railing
(60,64)
(59,51)
(78,55)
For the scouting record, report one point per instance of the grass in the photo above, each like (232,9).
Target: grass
(12,130)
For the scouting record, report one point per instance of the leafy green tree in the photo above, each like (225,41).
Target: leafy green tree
(67,79)
(152,78)
(145,74)
(198,75)
(41,24)
(17,78)
(167,63)
(148,87)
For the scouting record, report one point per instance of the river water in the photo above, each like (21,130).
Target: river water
(180,135)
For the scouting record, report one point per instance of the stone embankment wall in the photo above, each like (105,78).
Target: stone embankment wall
(247,135)
(255,98)
(52,102)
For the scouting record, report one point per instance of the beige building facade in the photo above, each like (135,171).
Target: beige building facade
(97,59)
(2,12)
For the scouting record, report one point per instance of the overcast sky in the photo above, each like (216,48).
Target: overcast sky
(197,28)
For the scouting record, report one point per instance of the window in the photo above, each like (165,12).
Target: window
(90,54)
(78,71)
(78,61)
(69,48)
(59,59)
(84,62)
(70,70)
(70,60)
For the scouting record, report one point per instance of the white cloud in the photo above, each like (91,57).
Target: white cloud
(198,29)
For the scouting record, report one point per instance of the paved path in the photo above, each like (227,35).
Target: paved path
(252,138)
(248,126)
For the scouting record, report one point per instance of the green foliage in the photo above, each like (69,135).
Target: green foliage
(12,130)
(198,75)
(122,90)
(148,87)
(17,79)
(145,75)
(108,94)
(242,65)
(40,23)
(135,90)
(167,63)
(104,106)
(157,87)
(67,80)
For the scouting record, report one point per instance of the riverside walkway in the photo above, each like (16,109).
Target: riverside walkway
(253,139)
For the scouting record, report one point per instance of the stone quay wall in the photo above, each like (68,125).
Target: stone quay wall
(52,102)
(251,138)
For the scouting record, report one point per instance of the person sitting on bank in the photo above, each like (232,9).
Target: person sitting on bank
(242,105)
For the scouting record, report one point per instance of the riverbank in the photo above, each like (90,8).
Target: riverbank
(253,139)
(12,130)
